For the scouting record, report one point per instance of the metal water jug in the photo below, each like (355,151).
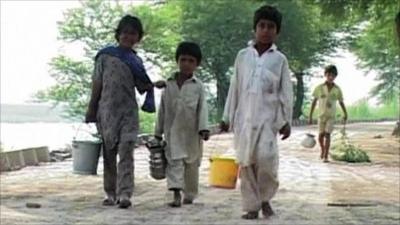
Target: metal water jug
(158,162)
(309,141)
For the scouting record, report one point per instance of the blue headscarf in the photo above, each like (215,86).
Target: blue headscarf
(135,64)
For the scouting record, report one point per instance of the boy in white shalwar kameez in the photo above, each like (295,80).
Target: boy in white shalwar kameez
(182,119)
(258,106)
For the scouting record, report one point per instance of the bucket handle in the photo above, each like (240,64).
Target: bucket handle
(79,129)
(74,144)
(213,147)
(215,152)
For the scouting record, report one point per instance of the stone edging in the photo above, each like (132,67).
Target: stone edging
(13,160)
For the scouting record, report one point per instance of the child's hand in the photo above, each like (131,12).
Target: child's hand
(159,138)
(224,127)
(285,131)
(205,134)
(160,84)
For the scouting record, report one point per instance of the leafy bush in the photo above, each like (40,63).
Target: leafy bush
(345,151)
(350,153)
(147,122)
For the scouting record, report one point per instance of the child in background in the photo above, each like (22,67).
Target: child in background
(327,94)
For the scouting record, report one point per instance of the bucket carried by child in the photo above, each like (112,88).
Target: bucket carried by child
(223,171)
(85,156)
(86,152)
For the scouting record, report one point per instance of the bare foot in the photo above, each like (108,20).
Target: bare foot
(252,215)
(326,160)
(266,209)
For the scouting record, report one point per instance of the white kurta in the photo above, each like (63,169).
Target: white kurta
(259,101)
(182,115)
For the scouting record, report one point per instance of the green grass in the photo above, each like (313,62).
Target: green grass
(349,153)
(363,111)
(147,122)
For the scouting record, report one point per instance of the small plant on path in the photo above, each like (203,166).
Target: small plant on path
(344,150)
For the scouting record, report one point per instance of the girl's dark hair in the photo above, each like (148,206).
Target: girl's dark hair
(188,48)
(331,69)
(131,21)
(269,13)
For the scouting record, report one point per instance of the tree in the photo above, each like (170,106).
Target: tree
(221,28)
(378,49)
(91,25)
(305,38)
(162,23)
(215,25)
(372,39)
(221,33)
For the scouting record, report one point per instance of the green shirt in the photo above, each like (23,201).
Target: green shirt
(327,99)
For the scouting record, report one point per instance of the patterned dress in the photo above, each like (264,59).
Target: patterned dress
(117,115)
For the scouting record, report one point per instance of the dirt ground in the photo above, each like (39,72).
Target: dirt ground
(311,192)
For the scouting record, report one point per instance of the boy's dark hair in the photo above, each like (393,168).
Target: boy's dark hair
(131,21)
(331,69)
(188,48)
(269,13)
(398,19)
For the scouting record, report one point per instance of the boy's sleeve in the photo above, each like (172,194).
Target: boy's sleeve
(232,98)
(203,110)
(285,97)
(159,128)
